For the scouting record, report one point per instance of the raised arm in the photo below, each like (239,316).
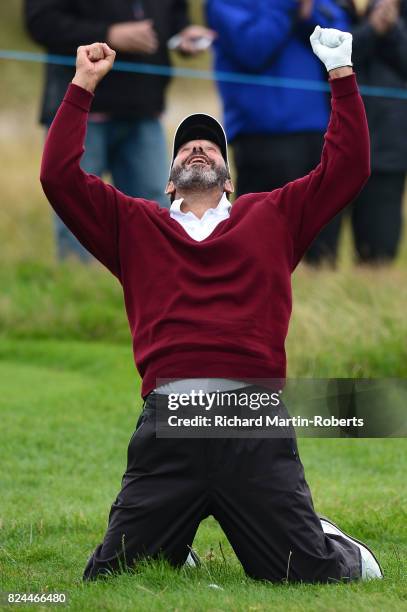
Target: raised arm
(88,206)
(312,201)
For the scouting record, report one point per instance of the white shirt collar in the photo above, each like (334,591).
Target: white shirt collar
(223,206)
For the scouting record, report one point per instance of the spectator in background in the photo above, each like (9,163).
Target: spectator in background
(380,51)
(276,133)
(127,106)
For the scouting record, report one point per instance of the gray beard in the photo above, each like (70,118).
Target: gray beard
(198,177)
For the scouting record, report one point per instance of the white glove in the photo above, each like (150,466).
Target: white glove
(333,47)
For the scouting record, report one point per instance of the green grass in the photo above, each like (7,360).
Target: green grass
(68,409)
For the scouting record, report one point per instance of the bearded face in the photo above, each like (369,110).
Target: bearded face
(199,171)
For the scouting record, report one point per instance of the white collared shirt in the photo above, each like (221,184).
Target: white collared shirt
(199,229)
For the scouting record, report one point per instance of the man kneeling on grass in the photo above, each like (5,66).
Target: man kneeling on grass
(208,297)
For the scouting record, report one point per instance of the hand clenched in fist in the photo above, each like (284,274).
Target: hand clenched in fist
(333,47)
(93,62)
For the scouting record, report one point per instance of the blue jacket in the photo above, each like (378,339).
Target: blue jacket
(265,37)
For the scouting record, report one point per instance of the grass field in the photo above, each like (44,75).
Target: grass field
(69,398)
(68,409)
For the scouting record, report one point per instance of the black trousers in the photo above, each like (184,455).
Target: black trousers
(376,220)
(377,217)
(266,162)
(255,489)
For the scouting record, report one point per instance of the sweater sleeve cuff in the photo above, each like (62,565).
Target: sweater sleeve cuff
(79,97)
(344,86)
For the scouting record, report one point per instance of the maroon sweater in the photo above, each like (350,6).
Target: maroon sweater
(221,307)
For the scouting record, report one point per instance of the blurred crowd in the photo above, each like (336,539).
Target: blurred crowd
(276,133)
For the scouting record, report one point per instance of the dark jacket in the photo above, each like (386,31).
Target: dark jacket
(62,25)
(382,61)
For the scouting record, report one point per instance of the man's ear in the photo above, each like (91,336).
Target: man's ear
(228,186)
(170,189)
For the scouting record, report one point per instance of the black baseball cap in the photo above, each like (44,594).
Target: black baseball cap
(200,126)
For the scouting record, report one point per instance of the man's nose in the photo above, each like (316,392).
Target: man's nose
(197,149)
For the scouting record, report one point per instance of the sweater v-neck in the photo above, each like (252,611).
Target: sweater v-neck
(181,230)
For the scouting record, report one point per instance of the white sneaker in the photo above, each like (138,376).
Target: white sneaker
(370,565)
(192,560)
